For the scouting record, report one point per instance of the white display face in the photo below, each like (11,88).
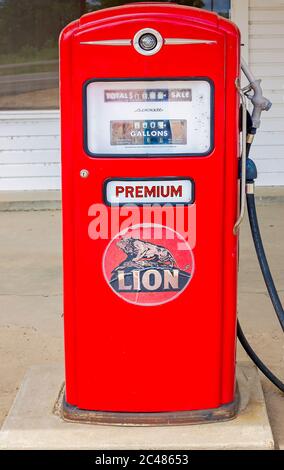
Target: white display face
(148,118)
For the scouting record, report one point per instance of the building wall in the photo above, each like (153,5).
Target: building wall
(266,59)
(29,150)
(30,142)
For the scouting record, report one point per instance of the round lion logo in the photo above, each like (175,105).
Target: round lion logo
(148,269)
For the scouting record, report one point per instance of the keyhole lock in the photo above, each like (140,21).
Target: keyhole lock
(84,173)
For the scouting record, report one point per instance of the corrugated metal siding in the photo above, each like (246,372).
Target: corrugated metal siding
(266,58)
(29,150)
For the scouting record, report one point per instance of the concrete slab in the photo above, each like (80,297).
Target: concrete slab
(32,424)
(30,200)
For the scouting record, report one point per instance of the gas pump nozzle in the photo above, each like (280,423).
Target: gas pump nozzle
(259,102)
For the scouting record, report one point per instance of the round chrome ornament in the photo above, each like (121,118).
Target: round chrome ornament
(147,41)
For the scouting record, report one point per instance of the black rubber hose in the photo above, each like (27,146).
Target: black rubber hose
(263,260)
(271,290)
(258,362)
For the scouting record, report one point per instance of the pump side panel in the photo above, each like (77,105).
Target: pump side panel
(231,198)
(120,356)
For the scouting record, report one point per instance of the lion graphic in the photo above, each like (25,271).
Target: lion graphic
(145,253)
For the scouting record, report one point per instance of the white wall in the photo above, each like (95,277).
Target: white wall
(29,150)
(266,59)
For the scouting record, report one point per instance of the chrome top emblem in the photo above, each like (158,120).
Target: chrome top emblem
(148,41)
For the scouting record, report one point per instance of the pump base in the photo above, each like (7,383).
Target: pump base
(223,413)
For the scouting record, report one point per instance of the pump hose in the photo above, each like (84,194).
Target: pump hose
(271,290)
(258,362)
(263,260)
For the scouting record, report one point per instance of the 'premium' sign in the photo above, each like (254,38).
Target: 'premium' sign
(159,191)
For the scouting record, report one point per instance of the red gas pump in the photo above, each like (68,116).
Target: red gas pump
(150,137)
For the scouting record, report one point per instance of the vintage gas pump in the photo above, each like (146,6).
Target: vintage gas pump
(150,164)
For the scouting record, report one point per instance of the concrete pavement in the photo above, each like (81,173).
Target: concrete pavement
(35,423)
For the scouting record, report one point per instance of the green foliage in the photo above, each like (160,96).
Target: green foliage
(113,3)
(30,28)
(34,23)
